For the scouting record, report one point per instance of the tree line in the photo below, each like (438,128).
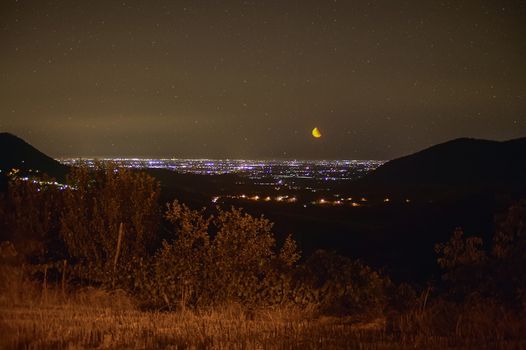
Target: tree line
(110,230)
(107,223)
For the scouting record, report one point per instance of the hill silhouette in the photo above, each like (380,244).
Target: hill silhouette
(460,163)
(16,153)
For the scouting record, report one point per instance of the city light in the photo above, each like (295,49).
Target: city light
(279,171)
(268,176)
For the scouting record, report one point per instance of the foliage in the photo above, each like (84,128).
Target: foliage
(460,251)
(509,255)
(108,223)
(179,268)
(242,252)
(109,218)
(339,285)
(464,261)
(495,272)
(229,257)
(29,217)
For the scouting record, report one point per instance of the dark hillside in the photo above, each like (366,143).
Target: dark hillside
(15,153)
(461,163)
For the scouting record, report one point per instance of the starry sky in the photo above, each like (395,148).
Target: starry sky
(250,79)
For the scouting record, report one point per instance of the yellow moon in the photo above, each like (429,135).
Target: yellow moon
(316,133)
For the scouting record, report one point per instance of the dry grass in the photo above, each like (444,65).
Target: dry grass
(34,318)
(77,325)
(83,327)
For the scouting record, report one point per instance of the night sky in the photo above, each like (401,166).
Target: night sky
(250,79)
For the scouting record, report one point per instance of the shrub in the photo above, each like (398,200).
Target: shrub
(464,261)
(109,219)
(495,272)
(29,215)
(340,286)
(226,258)
(179,269)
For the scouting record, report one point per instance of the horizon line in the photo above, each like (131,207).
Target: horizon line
(218,159)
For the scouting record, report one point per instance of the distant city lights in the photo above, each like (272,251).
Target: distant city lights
(278,170)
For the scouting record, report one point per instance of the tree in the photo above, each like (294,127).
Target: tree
(109,219)
(180,267)
(214,260)
(464,261)
(242,250)
(509,254)
(497,271)
(460,251)
(30,219)
(334,284)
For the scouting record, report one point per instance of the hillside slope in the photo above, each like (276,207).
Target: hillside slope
(460,162)
(18,154)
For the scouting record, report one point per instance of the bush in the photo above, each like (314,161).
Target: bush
(337,285)
(109,219)
(29,218)
(473,271)
(226,258)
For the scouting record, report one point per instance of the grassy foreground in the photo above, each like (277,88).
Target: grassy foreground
(76,328)
(97,319)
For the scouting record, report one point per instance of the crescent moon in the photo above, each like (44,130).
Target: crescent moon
(316,133)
